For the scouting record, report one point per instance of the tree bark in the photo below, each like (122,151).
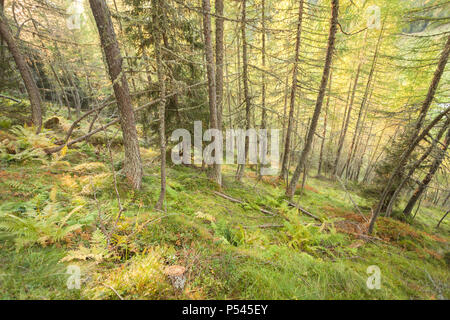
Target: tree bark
(213,112)
(241,167)
(162,103)
(30,85)
(219,60)
(326,72)
(287,142)
(133,165)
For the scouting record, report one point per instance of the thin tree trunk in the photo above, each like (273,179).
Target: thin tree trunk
(347,121)
(423,185)
(30,85)
(363,154)
(324,133)
(162,103)
(263,81)
(287,142)
(326,72)
(363,103)
(263,61)
(219,60)
(286,95)
(210,70)
(133,165)
(241,167)
(2,50)
(442,219)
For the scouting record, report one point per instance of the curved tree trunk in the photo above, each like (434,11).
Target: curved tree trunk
(326,72)
(30,85)
(133,164)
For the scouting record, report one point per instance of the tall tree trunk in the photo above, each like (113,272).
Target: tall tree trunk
(30,85)
(263,62)
(241,167)
(2,50)
(287,142)
(363,153)
(424,110)
(423,185)
(286,95)
(213,118)
(357,170)
(263,81)
(219,61)
(326,72)
(324,133)
(347,121)
(363,103)
(133,165)
(162,94)
(125,47)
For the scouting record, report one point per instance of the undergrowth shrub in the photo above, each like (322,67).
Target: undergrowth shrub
(141,277)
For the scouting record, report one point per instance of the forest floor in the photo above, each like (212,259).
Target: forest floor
(51,210)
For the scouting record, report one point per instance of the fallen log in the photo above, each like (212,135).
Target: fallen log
(229,198)
(309,214)
(220,194)
(265,226)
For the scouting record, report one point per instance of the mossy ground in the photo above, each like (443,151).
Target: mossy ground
(227,251)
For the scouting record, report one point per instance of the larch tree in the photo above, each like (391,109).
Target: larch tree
(416,138)
(290,124)
(290,190)
(132,164)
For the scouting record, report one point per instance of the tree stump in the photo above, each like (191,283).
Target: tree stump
(177,276)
